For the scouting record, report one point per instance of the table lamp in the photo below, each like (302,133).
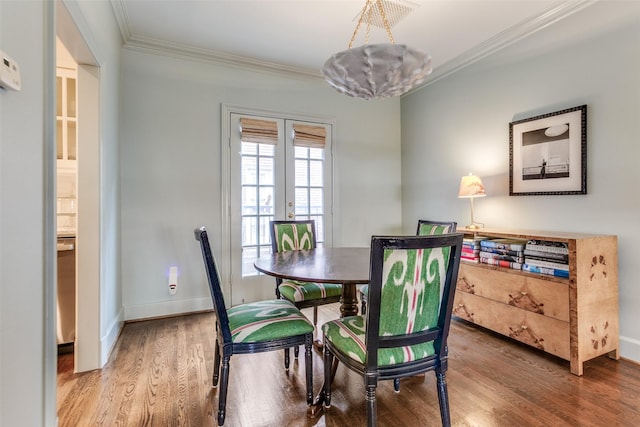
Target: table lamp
(471,187)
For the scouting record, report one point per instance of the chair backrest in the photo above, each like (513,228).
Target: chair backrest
(430,228)
(411,290)
(292,235)
(214,284)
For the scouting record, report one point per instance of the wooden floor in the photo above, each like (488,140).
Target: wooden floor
(160,375)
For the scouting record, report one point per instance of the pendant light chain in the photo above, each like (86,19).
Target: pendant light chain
(368,8)
(385,21)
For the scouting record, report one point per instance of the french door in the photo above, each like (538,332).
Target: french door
(280,171)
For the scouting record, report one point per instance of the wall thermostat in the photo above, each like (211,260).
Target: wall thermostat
(9,73)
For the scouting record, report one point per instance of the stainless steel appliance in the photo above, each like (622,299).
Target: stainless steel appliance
(66,329)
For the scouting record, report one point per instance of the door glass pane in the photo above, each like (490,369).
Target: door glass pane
(302,172)
(59,140)
(71,97)
(315,173)
(71,140)
(59,96)
(249,168)
(302,203)
(316,198)
(316,153)
(266,171)
(258,179)
(249,206)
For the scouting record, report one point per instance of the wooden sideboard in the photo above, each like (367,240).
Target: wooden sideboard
(574,318)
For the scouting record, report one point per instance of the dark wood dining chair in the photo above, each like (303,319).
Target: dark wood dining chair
(293,236)
(405,330)
(425,228)
(252,328)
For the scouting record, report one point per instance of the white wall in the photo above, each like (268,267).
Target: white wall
(27,201)
(171,179)
(27,230)
(460,125)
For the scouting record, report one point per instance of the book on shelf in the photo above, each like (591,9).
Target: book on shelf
(510,244)
(501,263)
(469,254)
(503,251)
(548,246)
(544,270)
(547,264)
(484,254)
(551,256)
(470,259)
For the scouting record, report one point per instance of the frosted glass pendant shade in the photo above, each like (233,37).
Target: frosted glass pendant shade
(375,71)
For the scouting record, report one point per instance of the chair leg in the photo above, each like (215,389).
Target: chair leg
(308,367)
(216,366)
(222,397)
(443,399)
(370,396)
(328,367)
(396,385)
(287,359)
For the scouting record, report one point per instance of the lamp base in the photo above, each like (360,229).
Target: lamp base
(474,226)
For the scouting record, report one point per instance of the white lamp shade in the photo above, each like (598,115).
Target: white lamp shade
(471,186)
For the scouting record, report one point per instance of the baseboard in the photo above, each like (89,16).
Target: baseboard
(108,341)
(630,349)
(166,308)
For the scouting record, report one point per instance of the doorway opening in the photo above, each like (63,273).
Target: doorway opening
(80,208)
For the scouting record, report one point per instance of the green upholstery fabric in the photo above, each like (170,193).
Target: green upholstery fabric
(266,320)
(348,334)
(433,229)
(305,291)
(293,237)
(425,230)
(412,284)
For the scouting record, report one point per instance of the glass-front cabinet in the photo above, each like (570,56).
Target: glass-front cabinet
(66,117)
(66,150)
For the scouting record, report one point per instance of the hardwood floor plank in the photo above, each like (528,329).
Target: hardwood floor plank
(160,375)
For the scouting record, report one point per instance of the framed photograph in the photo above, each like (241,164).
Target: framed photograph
(548,154)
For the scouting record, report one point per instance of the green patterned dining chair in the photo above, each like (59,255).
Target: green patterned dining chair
(293,236)
(252,328)
(425,228)
(405,330)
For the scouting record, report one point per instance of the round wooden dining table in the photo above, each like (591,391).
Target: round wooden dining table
(346,266)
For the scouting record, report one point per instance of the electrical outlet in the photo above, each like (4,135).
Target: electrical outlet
(173,280)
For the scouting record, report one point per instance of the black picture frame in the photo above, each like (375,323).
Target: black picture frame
(548,154)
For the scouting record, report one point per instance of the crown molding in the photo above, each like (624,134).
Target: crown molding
(498,42)
(505,38)
(177,50)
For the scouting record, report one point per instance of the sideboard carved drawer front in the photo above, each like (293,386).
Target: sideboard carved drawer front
(549,298)
(542,332)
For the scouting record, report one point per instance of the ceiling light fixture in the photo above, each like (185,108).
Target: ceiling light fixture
(374,71)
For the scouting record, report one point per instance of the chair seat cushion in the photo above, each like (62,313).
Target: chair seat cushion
(266,320)
(304,291)
(348,336)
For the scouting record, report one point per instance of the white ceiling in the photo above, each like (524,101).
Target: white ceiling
(299,35)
